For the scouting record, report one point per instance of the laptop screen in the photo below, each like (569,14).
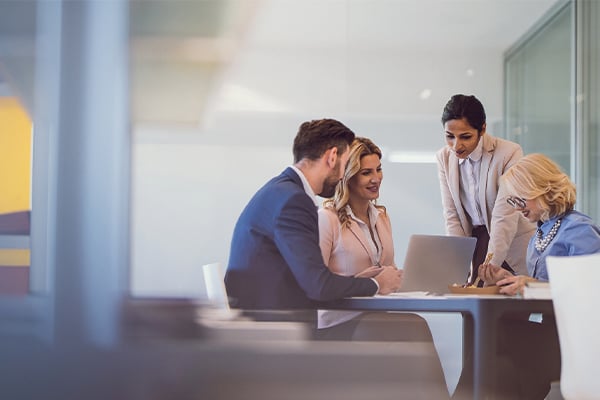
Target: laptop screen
(433,262)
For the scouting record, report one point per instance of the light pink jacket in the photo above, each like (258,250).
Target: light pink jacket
(346,252)
(509,230)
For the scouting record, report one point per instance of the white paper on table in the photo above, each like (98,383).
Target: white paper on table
(411,295)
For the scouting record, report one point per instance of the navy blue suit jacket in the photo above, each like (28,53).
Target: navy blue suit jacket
(275,260)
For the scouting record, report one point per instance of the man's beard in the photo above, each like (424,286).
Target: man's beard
(331,182)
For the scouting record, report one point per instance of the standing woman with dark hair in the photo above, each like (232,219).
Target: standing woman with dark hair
(469,169)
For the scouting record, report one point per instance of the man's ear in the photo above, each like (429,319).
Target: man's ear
(332,155)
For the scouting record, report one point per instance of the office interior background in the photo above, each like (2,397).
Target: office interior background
(135,132)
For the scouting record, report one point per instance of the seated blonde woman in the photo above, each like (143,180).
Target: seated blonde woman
(356,240)
(543,194)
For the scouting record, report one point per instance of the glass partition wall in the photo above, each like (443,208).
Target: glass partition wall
(539,91)
(588,102)
(552,94)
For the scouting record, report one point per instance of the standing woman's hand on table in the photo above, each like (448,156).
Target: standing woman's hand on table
(491,274)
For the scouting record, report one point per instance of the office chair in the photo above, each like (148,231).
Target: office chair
(215,286)
(574,286)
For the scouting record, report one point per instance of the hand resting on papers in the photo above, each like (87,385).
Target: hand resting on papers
(510,284)
(389,282)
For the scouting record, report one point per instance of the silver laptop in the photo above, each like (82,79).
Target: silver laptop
(433,262)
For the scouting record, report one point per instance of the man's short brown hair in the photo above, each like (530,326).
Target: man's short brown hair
(315,137)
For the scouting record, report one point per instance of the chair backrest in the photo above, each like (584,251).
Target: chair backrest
(574,283)
(215,285)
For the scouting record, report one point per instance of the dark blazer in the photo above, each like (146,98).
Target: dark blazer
(275,260)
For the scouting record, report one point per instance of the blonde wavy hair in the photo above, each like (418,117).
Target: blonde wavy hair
(536,176)
(359,148)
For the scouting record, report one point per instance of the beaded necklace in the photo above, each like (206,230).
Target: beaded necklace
(541,242)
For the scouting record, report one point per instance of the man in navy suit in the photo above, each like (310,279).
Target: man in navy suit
(275,260)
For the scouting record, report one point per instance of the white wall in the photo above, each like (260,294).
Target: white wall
(186,198)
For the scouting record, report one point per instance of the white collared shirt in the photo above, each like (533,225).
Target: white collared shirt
(309,191)
(375,248)
(469,184)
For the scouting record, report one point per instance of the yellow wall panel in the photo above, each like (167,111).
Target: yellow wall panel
(15,257)
(15,156)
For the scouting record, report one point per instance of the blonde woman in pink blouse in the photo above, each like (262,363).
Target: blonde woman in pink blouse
(355,236)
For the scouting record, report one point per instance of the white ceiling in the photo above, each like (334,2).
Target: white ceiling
(431,24)
(381,58)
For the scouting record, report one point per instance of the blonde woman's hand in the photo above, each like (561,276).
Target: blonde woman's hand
(389,279)
(514,284)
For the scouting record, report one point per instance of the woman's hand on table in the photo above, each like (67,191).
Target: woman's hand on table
(514,284)
(389,279)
